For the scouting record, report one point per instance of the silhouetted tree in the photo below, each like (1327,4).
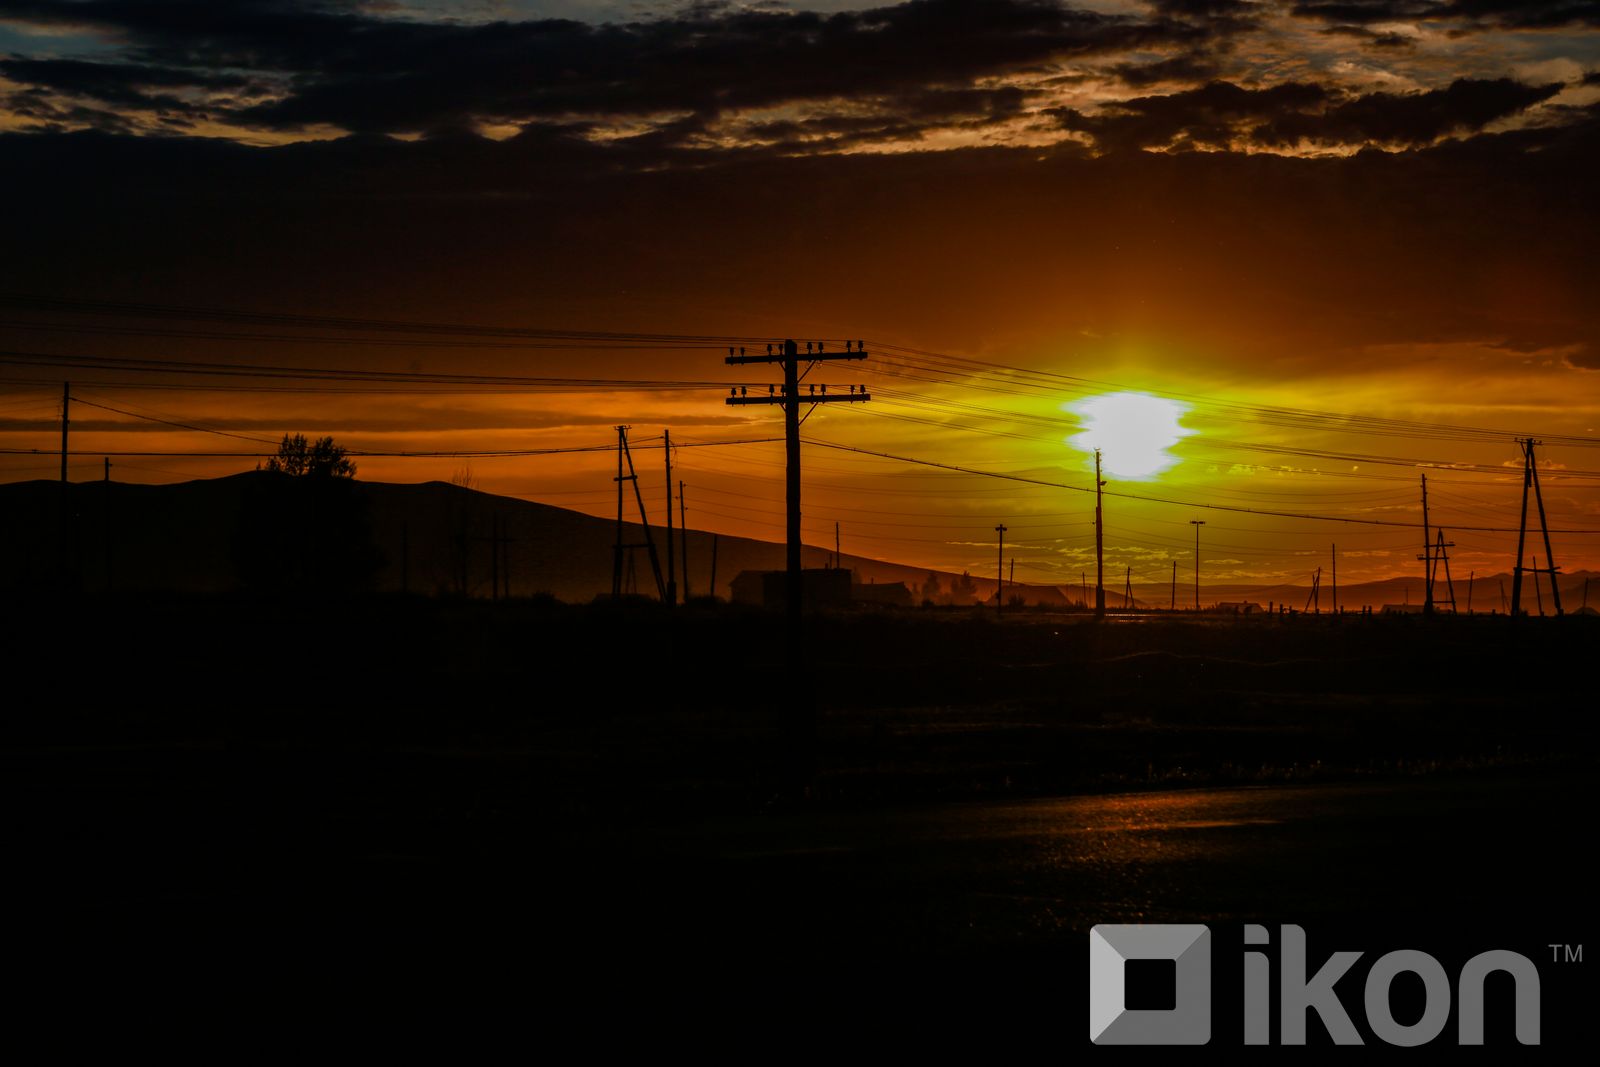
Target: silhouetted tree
(303,523)
(964,589)
(322,459)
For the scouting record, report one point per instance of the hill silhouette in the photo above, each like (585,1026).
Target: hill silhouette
(432,537)
(215,535)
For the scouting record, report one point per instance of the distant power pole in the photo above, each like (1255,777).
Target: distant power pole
(626,456)
(1473,573)
(1197,523)
(1127,590)
(1172,604)
(1011,578)
(1334,552)
(1530,479)
(838,563)
(1000,568)
(66,402)
(672,580)
(1099,542)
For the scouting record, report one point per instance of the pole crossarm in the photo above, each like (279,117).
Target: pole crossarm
(779,357)
(820,398)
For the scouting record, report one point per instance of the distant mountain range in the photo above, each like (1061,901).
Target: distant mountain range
(214,535)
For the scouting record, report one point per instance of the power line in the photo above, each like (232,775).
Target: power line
(1156,499)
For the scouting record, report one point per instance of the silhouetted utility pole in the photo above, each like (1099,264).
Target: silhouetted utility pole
(1427,554)
(1099,542)
(1127,591)
(625,456)
(1197,523)
(683,525)
(1172,604)
(672,580)
(105,496)
(1442,556)
(714,539)
(1470,576)
(801,713)
(1000,568)
(1334,552)
(66,402)
(1314,601)
(1011,578)
(838,561)
(498,539)
(788,356)
(1530,478)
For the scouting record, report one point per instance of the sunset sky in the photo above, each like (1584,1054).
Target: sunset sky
(1350,242)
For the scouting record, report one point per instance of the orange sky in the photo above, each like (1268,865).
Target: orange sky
(1243,206)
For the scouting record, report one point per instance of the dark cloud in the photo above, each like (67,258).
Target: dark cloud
(1223,115)
(347,68)
(1210,116)
(121,85)
(1372,38)
(1467,14)
(1465,106)
(1181,68)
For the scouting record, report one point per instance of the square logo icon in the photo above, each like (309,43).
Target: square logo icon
(1187,948)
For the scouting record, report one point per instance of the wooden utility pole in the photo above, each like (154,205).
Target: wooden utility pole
(1127,590)
(671,597)
(714,539)
(801,711)
(1314,601)
(683,525)
(1000,568)
(66,402)
(1470,575)
(1099,542)
(1197,523)
(788,357)
(838,563)
(1427,554)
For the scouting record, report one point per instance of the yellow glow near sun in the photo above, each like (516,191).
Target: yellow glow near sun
(1132,431)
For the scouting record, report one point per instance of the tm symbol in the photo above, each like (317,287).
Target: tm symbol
(1569,953)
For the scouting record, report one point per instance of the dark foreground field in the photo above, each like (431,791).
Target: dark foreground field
(456,791)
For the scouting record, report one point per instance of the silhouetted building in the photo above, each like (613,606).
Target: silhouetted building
(821,587)
(893,594)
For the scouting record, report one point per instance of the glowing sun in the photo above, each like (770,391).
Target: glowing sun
(1132,431)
